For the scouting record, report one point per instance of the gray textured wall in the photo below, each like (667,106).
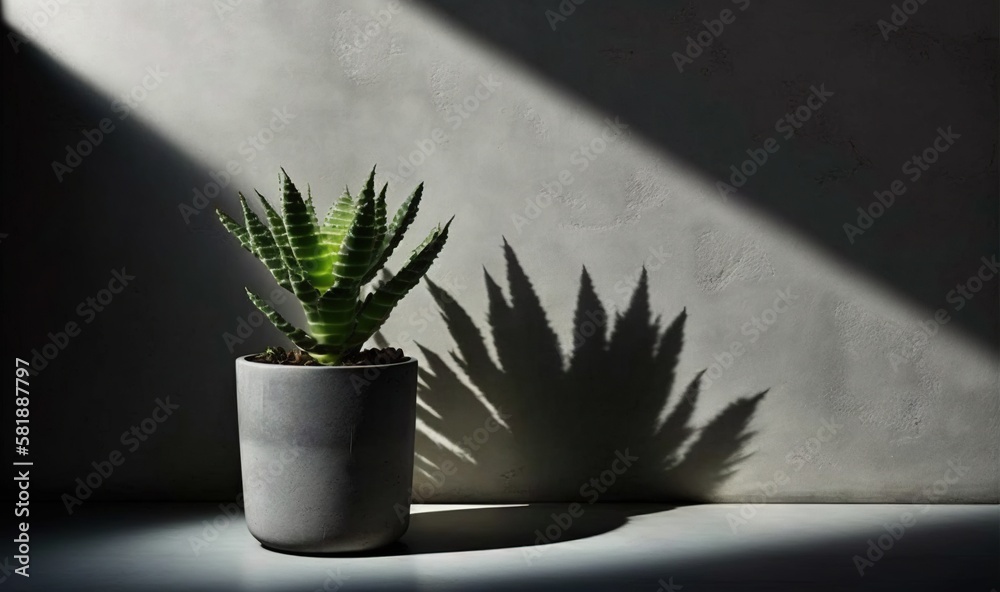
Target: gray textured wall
(578,134)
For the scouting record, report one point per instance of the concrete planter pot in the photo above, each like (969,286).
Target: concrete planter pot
(326,453)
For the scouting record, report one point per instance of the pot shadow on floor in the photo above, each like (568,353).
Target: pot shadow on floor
(585,429)
(530,526)
(476,529)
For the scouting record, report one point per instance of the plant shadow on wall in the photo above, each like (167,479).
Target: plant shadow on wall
(549,429)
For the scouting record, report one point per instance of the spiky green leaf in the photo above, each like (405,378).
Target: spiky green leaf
(310,206)
(337,222)
(235,229)
(303,236)
(376,309)
(333,317)
(405,215)
(297,336)
(278,232)
(299,285)
(356,251)
(380,218)
(262,242)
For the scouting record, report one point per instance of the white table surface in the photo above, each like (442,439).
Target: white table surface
(616,547)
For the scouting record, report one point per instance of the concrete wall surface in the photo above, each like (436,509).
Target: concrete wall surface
(811,189)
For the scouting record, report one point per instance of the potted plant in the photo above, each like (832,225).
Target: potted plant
(330,424)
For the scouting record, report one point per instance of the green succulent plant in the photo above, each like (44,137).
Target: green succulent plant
(328,265)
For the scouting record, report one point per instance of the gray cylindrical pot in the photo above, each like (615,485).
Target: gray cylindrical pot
(326,453)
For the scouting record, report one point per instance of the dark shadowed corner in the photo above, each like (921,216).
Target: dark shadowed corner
(884,103)
(115,209)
